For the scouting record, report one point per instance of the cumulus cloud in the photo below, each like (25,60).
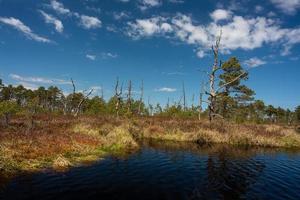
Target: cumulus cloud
(20,26)
(49,19)
(90,56)
(148,27)
(145,4)
(95,88)
(166,89)
(87,22)
(120,15)
(59,7)
(41,80)
(201,53)
(254,62)
(220,14)
(90,22)
(287,6)
(106,55)
(103,55)
(238,32)
(28,86)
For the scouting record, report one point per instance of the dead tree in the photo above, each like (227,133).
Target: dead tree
(118,96)
(150,106)
(168,103)
(183,96)
(213,91)
(102,92)
(141,98)
(78,108)
(193,99)
(200,101)
(129,94)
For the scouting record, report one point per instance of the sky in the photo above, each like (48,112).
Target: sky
(160,42)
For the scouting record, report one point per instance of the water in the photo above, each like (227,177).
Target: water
(170,171)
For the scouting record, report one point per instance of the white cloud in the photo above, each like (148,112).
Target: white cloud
(258,8)
(96,88)
(254,62)
(176,1)
(39,80)
(287,6)
(148,27)
(20,26)
(166,89)
(87,22)
(59,7)
(91,57)
(201,53)
(120,15)
(124,1)
(29,86)
(106,55)
(220,14)
(49,19)
(145,4)
(238,32)
(90,22)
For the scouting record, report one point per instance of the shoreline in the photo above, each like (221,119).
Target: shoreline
(62,142)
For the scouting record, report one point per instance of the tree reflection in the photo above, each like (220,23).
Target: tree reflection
(230,173)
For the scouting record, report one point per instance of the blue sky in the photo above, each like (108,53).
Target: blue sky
(162,42)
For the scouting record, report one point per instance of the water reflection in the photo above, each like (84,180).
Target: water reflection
(161,170)
(227,178)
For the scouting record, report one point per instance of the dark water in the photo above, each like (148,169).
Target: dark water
(170,171)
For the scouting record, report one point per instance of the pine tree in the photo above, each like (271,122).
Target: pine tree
(234,93)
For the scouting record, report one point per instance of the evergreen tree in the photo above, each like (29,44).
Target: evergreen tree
(234,93)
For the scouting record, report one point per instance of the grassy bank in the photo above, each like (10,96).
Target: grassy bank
(61,142)
(222,133)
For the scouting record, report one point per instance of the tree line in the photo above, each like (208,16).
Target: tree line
(235,102)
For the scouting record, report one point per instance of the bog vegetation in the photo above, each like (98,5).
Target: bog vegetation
(47,128)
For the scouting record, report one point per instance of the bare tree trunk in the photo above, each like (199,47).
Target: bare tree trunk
(200,101)
(213,92)
(212,76)
(129,97)
(168,103)
(118,96)
(183,96)
(81,102)
(71,109)
(193,99)
(102,92)
(150,106)
(141,98)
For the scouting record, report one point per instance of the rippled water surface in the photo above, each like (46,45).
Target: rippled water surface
(170,171)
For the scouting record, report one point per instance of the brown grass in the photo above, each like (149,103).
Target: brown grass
(63,141)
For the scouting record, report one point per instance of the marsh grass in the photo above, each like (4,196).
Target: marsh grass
(60,142)
(221,132)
